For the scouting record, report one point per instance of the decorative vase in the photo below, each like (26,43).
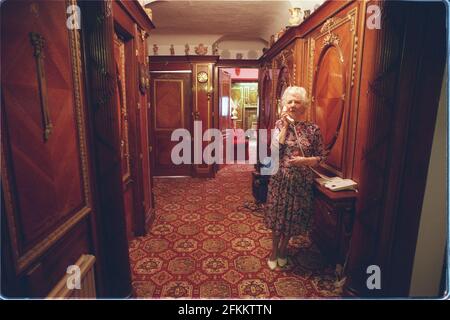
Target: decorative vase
(295,18)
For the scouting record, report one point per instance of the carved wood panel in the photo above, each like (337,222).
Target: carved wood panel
(171,110)
(122,108)
(332,57)
(169,104)
(45,174)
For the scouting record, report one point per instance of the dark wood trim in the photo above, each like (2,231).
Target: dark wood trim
(244,80)
(137,13)
(233,63)
(100,74)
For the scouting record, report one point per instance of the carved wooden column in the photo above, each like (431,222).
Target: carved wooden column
(98,31)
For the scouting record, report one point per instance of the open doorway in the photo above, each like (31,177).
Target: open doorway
(239,107)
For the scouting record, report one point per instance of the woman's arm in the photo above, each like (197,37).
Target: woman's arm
(319,152)
(319,149)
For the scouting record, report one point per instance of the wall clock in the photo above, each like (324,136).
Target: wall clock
(202,77)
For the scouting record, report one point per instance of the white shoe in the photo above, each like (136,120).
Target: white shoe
(282,262)
(272,264)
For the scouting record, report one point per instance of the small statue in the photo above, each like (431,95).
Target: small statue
(306,14)
(201,50)
(172,50)
(239,56)
(215,49)
(186,49)
(155,49)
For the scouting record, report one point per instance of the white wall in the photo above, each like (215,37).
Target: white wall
(251,49)
(430,249)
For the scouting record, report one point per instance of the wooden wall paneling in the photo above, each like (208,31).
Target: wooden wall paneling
(137,186)
(301,63)
(405,209)
(124,62)
(98,32)
(145,219)
(46,187)
(400,80)
(332,83)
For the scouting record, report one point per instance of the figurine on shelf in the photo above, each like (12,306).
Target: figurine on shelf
(239,56)
(306,14)
(215,49)
(201,50)
(155,49)
(172,50)
(186,49)
(272,40)
(295,18)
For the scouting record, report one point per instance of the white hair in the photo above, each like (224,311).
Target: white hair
(294,90)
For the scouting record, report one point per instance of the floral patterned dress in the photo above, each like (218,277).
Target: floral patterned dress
(290,196)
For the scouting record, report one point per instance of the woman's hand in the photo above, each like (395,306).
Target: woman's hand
(284,120)
(303,161)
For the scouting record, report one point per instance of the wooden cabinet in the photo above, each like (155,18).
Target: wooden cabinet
(322,55)
(131,29)
(48,208)
(63,165)
(334,214)
(374,93)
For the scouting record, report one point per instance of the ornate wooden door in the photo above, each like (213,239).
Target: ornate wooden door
(46,187)
(121,48)
(171,109)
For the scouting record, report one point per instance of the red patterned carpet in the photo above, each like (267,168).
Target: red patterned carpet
(203,244)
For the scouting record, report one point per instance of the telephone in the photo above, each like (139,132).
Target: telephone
(289,119)
(338,184)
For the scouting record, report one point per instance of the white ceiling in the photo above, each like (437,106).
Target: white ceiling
(228,20)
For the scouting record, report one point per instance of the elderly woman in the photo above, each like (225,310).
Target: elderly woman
(290,196)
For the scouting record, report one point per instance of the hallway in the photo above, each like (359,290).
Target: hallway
(204,244)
